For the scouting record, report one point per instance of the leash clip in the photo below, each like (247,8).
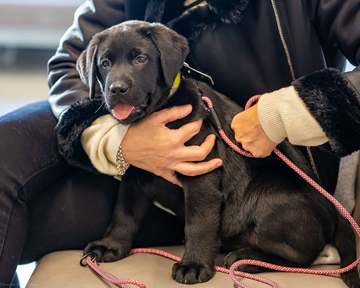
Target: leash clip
(197,74)
(213,115)
(85,256)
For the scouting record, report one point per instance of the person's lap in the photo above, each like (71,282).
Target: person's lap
(45,205)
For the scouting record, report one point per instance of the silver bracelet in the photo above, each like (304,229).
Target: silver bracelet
(121,163)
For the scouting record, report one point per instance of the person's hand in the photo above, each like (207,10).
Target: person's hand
(249,133)
(151,146)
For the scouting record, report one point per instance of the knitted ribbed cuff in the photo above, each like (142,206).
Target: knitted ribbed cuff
(282,114)
(269,117)
(101,143)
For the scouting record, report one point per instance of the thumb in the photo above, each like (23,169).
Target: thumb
(172,114)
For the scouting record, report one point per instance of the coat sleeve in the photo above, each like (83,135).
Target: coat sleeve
(331,96)
(68,96)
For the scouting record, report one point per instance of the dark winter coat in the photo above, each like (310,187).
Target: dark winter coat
(248,47)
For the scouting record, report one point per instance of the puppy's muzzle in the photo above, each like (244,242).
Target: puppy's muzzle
(119,88)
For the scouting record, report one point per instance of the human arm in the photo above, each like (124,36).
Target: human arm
(326,100)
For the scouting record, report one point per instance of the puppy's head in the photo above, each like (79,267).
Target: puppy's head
(134,64)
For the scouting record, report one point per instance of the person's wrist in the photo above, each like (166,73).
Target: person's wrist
(125,146)
(270,118)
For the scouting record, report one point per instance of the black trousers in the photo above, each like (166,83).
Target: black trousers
(46,206)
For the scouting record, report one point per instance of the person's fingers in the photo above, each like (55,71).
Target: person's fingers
(197,153)
(258,149)
(171,177)
(196,169)
(234,123)
(237,122)
(264,150)
(247,146)
(172,114)
(189,130)
(246,135)
(239,138)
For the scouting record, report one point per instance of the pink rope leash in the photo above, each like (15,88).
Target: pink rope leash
(310,181)
(236,275)
(123,283)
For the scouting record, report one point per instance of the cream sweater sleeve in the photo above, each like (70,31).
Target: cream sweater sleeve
(101,141)
(283,114)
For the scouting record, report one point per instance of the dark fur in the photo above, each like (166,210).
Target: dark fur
(250,208)
(227,11)
(323,93)
(155,10)
(72,124)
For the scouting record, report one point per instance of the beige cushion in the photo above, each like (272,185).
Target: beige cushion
(62,270)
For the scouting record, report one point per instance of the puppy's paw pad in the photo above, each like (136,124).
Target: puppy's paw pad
(107,250)
(191,273)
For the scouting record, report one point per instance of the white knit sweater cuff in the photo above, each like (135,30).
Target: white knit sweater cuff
(282,114)
(101,141)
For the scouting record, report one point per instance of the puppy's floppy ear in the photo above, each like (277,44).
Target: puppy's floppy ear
(86,66)
(173,49)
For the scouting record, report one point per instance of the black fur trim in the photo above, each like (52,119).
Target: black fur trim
(206,17)
(335,105)
(71,125)
(155,10)
(229,11)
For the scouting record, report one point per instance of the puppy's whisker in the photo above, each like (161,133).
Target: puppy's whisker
(101,106)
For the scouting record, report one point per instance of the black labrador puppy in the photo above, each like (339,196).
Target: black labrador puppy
(249,208)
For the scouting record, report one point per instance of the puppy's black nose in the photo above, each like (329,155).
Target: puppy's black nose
(119,88)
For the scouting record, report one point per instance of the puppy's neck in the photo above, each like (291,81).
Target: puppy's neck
(187,93)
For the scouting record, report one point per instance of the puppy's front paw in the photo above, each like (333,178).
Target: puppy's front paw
(242,254)
(191,273)
(107,250)
(231,258)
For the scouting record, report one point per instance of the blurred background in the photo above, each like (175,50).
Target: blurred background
(29,34)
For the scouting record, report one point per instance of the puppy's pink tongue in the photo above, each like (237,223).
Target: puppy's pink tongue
(122,111)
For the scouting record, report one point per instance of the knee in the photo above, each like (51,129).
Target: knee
(26,134)
(26,121)
(27,145)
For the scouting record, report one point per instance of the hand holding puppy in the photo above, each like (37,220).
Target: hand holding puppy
(153,147)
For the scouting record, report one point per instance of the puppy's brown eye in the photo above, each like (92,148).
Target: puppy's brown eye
(105,63)
(141,59)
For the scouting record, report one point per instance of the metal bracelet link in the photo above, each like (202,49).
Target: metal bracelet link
(121,164)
